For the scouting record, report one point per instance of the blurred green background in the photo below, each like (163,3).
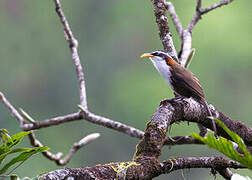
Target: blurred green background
(37,73)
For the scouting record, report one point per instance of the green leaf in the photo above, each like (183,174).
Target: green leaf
(2,156)
(15,139)
(226,146)
(190,57)
(4,136)
(23,156)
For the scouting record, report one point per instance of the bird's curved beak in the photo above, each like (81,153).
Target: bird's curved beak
(146,55)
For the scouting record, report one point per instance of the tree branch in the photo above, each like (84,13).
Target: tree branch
(163,27)
(187,109)
(53,121)
(73,45)
(131,131)
(199,12)
(218,4)
(217,163)
(110,171)
(36,143)
(145,164)
(13,111)
(76,146)
(58,157)
(175,19)
(187,33)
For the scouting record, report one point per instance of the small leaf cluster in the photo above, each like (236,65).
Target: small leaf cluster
(227,147)
(7,148)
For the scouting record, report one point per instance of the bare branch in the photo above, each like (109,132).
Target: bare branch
(199,4)
(12,109)
(196,17)
(177,140)
(58,156)
(73,44)
(76,146)
(107,171)
(89,117)
(187,109)
(164,30)
(113,125)
(174,17)
(53,121)
(187,33)
(36,143)
(27,116)
(199,12)
(145,164)
(219,4)
(216,163)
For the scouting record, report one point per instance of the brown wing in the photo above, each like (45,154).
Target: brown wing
(185,83)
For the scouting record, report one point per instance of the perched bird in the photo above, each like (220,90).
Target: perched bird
(180,79)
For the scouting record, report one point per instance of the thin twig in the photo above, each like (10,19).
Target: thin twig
(53,121)
(196,17)
(36,143)
(187,33)
(174,17)
(113,125)
(12,109)
(57,158)
(200,11)
(199,4)
(219,4)
(73,45)
(89,117)
(27,116)
(76,146)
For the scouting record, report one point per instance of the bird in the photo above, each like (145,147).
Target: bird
(181,80)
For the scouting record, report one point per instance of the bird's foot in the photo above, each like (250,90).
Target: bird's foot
(170,100)
(203,130)
(178,98)
(165,101)
(214,126)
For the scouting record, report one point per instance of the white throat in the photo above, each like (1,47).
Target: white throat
(163,69)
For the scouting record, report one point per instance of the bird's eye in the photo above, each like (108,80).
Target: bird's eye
(154,54)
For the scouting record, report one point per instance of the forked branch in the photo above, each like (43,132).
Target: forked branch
(73,45)
(186,34)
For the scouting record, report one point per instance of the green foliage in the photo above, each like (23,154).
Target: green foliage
(226,146)
(6,149)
